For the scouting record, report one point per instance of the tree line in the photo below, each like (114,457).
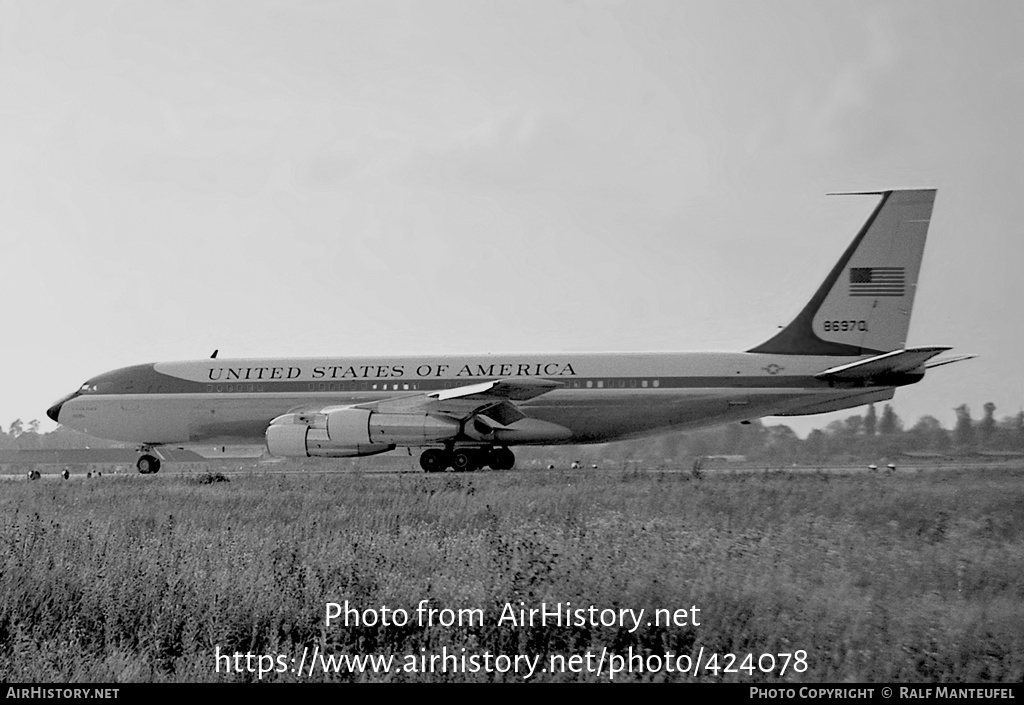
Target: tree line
(866,436)
(859,436)
(22,436)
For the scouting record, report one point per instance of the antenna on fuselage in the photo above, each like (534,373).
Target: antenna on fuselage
(215,353)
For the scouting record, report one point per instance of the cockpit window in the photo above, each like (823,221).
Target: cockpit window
(87,388)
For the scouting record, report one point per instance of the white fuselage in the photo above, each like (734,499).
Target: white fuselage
(602,397)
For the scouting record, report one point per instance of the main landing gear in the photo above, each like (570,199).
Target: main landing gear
(467,459)
(148,463)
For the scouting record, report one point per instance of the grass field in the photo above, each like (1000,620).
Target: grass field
(910,577)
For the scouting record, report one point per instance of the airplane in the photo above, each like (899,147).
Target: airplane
(846,348)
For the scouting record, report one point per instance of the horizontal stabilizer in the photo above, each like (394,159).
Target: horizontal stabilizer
(892,363)
(947,360)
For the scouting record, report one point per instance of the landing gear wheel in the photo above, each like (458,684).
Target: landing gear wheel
(434,460)
(502,459)
(465,460)
(148,464)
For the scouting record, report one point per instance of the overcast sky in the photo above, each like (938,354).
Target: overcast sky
(352,178)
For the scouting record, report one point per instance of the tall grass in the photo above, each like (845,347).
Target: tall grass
(912,577)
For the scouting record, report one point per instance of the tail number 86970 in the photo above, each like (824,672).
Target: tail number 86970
(837,326)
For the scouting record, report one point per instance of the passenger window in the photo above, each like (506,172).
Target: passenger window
(656,383)
(590,383)
(600,384)
(643,383)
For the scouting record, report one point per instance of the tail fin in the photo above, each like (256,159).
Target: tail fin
(863,306)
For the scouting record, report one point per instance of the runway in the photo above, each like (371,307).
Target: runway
(612,468)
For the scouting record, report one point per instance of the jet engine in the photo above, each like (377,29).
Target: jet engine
(360,426)
(344,433)
(298,440)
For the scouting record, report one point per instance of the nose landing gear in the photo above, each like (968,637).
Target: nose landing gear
(148,463)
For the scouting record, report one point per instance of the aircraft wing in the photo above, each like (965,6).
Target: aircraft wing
(510,389)
(891,363)
(459,402)
(462,402)
(486,411)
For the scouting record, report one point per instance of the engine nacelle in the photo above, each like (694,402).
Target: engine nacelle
(297,440)
(357,427)
(524,430)
(347,433)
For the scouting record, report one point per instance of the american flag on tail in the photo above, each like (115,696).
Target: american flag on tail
(878,281)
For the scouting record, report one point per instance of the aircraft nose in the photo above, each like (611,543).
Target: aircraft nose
(54,411)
